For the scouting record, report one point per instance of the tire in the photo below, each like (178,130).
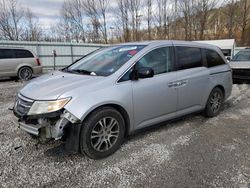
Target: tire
(102,133)
(25,73)
(214,103)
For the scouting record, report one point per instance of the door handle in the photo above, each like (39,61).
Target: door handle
(178,83)
(184,82)
(172,84)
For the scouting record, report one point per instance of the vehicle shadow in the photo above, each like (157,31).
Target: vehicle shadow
(8,80)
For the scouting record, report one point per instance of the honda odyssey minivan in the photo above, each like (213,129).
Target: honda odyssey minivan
(96,102)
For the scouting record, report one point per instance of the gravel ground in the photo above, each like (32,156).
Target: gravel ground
(191,152)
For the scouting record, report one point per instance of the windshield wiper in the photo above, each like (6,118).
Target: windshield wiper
(81,71)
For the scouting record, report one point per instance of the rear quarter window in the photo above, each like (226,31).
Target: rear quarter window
(213,58)
(23,54)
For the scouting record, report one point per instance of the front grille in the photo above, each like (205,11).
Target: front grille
(23,105)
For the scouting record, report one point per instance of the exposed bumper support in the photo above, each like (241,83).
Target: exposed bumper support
(57,129)
(32,129)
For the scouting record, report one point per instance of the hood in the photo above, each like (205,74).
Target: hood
(240,64)
(51,86)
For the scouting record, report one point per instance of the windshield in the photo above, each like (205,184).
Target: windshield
(106,61)
(242,56)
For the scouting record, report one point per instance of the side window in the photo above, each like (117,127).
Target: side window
(160,60)
(6,54)
(23,54)
(189,57)
(213,58)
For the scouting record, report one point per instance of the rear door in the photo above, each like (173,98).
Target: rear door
(192,79)
(153,98)
(24,57)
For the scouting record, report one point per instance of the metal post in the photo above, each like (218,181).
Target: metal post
(72,53)
(54,56)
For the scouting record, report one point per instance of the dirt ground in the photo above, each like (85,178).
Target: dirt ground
(191,152)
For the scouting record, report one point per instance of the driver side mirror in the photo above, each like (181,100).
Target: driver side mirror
(143,72)
(228,58)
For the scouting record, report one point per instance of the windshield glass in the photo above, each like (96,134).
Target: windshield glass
(242,56)
(106,61)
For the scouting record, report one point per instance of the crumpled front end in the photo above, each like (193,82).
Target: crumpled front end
(54,125)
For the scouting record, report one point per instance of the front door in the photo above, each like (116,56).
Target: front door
(154,99)
(6,62)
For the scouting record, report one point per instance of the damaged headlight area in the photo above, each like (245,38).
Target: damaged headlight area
(44,107)
(45,119)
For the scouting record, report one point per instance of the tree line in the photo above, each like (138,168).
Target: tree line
(103,21)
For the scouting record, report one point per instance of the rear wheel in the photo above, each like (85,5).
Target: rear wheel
(102,133)
(25,73)
(214,103)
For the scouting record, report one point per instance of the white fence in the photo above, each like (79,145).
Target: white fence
(66,52)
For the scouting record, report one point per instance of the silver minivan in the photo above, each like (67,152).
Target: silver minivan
(96,102)
(19,62)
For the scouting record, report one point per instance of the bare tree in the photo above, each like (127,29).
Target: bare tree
(71,22)
(103,5)
(11,26)
(33,31)
(245,9)
(202,9)
(230,12)
(134,7)
(186,10)
(149,17)
(123,7)
(91,10)
(162,15)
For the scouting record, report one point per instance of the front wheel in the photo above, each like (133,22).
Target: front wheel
(102,133)
(214,102)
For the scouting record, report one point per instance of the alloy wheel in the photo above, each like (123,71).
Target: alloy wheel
(215,102)
(104,134)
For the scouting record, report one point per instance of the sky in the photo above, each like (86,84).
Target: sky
(48,11)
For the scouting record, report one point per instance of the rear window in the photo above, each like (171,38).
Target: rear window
(213,58)
(23,54)
(189,57)
(6,54)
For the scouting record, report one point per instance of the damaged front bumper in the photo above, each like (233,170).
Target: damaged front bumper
(46,126)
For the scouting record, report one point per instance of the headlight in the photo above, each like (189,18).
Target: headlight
(43,107)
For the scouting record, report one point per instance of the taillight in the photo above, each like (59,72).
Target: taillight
(38,62)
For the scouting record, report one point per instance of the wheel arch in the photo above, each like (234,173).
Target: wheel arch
(221,88)
(120,109)
(23,65)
